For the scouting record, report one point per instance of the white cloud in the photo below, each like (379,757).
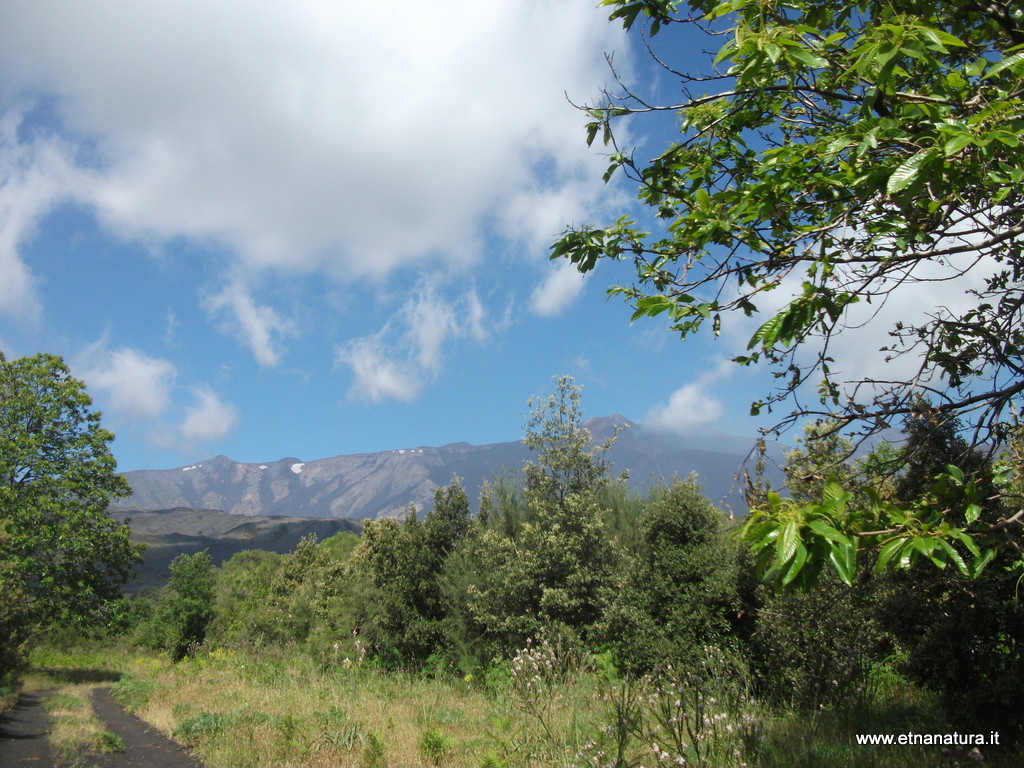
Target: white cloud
(209,418)
(348,137)
(141,388)
(693,405)
(558,291)
(136,385)
(35,175)
(930,288)
(258,327)
(395,362)
(376,376)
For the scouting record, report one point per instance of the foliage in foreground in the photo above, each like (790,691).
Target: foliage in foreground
(286,707)
(634,584)
(830,157)
(62,558)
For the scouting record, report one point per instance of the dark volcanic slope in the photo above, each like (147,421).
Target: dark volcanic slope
(369,485)
(168,533)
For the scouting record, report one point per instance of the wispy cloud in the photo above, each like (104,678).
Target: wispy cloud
(258,327)
(408,351)
(558,291)
(376,374)
(35,175)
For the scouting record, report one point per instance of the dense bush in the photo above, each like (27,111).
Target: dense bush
(679,592)
(185,608)
(402,564)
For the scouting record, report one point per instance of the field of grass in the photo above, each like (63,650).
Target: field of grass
(282,709)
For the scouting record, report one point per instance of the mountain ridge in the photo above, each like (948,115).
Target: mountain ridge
(386,483)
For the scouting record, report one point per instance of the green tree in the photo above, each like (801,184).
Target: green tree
(15,619)
(553,578)
(958,635)
(64,558)
(821,454)
(817,648)
(833,153)
(186,606)
(242,614)
(404,563)
(567,462)
(681,592)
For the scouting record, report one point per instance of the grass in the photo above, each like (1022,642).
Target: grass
(281,708)
(280,711)
(75,731)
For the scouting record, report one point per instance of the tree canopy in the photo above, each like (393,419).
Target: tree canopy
(835,152)
(63,555)
(832,154)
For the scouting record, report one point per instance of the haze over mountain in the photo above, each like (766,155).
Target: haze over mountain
(386,483)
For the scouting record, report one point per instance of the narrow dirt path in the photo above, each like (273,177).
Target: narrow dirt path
(23,728)
(144,746)
(24,743)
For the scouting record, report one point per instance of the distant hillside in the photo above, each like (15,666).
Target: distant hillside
(168,533)
(368,485)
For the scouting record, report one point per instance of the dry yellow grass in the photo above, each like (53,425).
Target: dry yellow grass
(250,712)
(75,730)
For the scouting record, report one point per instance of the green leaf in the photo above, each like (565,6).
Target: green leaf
(767,334)
(807,58)
(941,38)
(903,176)
(844,561)
(980,562)
(954,557)
(652,306)
(956,143)
(886,553)
(967,541)
(785,547)
(834,493)
(826,531)
(1008,63)
(971,513)
(799,558)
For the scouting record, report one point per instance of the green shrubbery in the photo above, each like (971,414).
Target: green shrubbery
(607,620)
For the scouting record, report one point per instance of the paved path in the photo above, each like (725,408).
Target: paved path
(144,745)
(23,741)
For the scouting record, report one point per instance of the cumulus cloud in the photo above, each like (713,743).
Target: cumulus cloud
(351,137)
(140,390)
(408,351)
(136,385)
(208,418)
(692,405)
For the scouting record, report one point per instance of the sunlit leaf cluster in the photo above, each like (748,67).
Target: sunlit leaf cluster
(831,154)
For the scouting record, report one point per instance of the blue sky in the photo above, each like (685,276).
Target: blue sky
(314,228)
